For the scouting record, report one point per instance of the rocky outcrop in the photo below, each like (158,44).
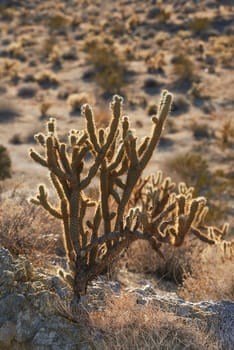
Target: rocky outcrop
(217,316)
(31,316)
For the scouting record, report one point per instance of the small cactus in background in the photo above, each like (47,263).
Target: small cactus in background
(5,163)
(129,206)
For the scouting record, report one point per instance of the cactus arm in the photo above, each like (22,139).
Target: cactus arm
(166,102)
(91,128)
(38,158)
(43,201)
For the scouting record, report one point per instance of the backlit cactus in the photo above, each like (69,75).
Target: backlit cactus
(129,207)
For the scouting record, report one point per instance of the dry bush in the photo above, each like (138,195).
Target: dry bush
(183,67)
(44,108)
(199,24)
(200,273)
(110,66)
(58,21)
(175,266)
(55,56)
(211,277)
(27,230)
(226,138)
(47,79)
(75,101)
(125,325)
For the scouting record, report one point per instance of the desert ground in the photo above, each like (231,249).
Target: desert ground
(57,55)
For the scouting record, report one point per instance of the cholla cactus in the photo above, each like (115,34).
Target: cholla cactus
(128,208)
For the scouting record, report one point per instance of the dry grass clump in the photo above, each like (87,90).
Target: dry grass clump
(211,277)
(199,24)
(192,168)
(226,137)
(183,67)
(27,230)
(75,101)
(55,56)
(125,325)
(58,21)
(44,108)
(110,66)
(200,273)
(46,79)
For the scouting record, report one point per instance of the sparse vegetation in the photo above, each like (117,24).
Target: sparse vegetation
(193,169)
(133,48)
(44,108)
(47,79)
(110,67)
(75,101)
(183,67)
(199,24)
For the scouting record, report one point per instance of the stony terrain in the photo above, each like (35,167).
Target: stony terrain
(35,313)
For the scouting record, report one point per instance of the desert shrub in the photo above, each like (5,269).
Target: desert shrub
(164,14)
(208,278)
(58,21)
(16,50)
(26,230)
(192,168)
(44,108)
(47,46)
(75,101)
(183,67)
(8,111)
(151,86)
(201,131)
(152,109)
(199,24)
(55,57)
(155,63)
(70,53)
(110,67)
(5,163)
(227,134)
(125,325)
(180,105)
(47,79)
(16,139)
(6,14)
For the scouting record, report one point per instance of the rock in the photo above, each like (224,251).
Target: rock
(7,334)
(59,333)
(10,306)
(217,316)
(36,312)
